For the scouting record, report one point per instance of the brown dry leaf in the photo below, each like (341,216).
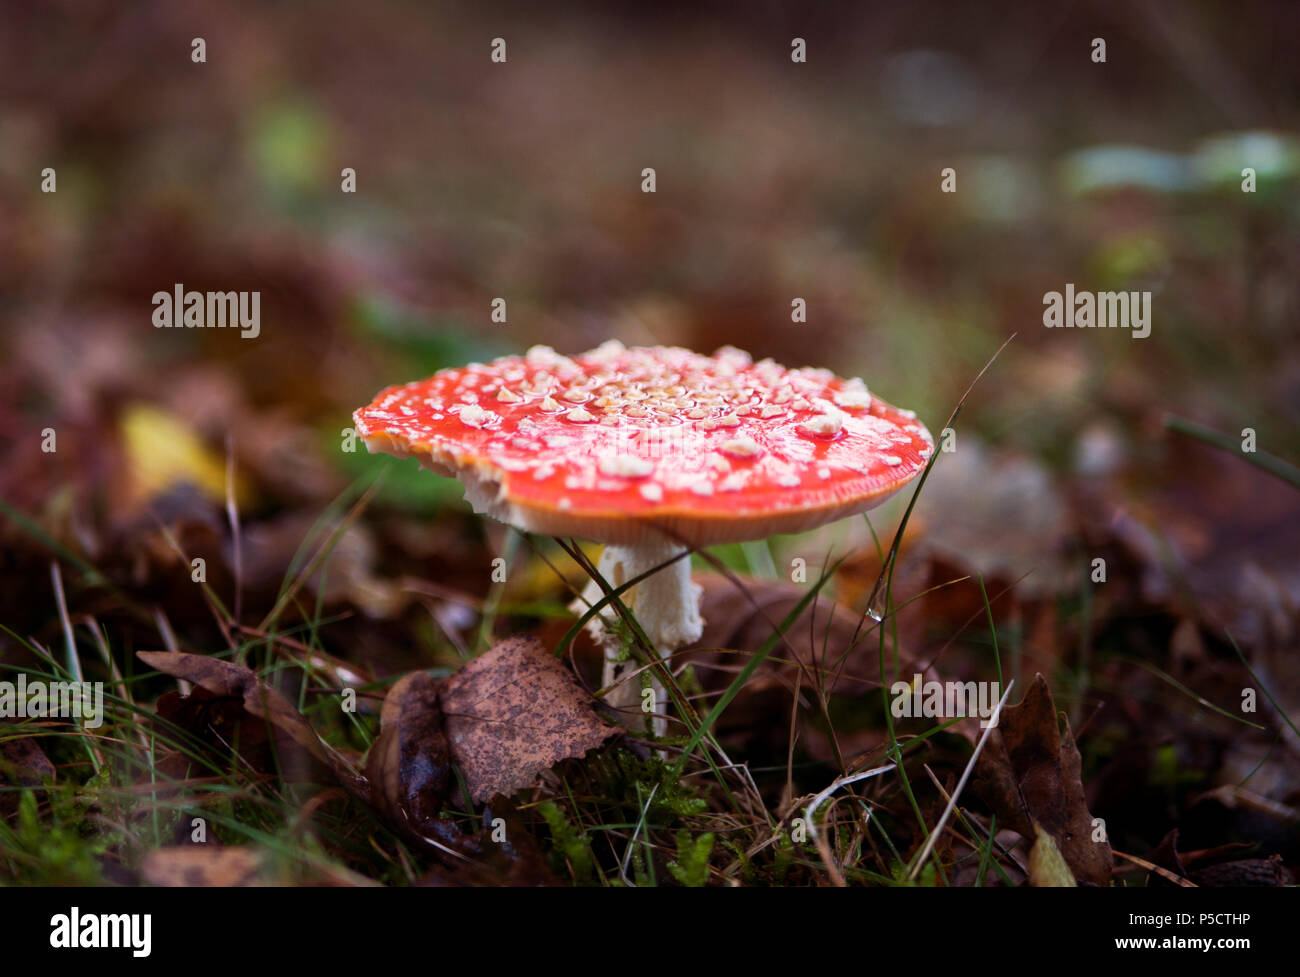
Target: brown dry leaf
(743,621)
(224,678)
(819,643)
(409,765)
(514,712)
(1030,775)
(828,644)
(23,762)
(828,639)
(1166,856)
(191,865)
(1268,872)
(223,724)
(1213,867)
(409,768)
(514,859)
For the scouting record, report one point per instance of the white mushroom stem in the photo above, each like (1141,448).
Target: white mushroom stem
(667,607)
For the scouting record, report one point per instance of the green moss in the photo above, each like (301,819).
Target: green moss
(570,844)
(54,851)
(691,867)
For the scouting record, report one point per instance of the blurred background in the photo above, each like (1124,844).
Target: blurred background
(775,180)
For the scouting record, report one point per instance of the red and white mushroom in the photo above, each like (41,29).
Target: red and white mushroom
(652,451)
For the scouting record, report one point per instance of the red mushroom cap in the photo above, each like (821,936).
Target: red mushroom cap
(616,444)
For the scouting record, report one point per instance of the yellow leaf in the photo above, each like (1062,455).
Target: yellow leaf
(1046,866)
(163,451)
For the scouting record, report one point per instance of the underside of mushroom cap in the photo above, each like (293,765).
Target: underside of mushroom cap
(628,445)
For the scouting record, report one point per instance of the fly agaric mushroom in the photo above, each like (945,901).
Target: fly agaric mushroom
(652,451)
